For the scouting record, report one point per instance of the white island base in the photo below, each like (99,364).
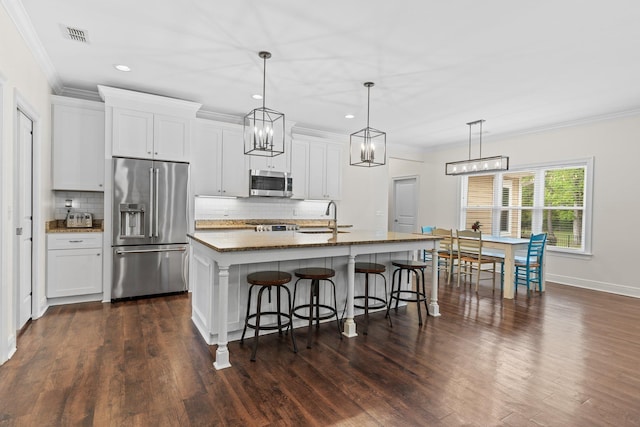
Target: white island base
(219,264)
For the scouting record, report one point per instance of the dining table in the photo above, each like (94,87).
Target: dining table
(509,246)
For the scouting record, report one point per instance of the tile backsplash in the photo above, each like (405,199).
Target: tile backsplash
(206,207)
(82,201)
(258,208)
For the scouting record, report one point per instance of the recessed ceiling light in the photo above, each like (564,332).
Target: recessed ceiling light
(121,67)
(256,96)
(349,116)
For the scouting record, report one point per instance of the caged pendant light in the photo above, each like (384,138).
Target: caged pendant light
(479,165)
(264,128)
(368,146)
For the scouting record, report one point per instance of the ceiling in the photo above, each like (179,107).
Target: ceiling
(436,65)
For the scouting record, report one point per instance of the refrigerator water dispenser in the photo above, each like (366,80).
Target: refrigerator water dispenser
(132,217)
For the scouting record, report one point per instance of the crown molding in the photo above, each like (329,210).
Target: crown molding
(117,97)
(306,132)
(88,95)
(219,117)
(19,16)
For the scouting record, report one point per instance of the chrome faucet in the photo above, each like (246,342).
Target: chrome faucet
(335,216)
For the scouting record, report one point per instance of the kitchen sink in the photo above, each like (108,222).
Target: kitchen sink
(325,231)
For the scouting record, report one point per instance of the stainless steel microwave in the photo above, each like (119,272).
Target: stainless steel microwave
(270,183)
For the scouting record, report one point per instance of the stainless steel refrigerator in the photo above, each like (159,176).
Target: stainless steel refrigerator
(149,227)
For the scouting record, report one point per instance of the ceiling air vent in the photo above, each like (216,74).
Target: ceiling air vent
(75,34)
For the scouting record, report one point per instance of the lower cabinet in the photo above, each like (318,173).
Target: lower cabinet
(74,264)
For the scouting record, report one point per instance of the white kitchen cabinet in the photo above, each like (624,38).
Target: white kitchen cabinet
(299,169)
(218,164)
(78,144)
(146,135)
(74,264)
(325,171)
(279,163)
(148,126)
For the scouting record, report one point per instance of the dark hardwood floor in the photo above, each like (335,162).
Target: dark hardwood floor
(570,357)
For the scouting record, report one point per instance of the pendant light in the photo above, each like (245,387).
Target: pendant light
(264,129)
(479,165)
(368,146)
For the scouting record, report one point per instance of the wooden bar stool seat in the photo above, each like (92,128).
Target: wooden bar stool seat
(266,280)
(317,275)
(408,295)
(370,301)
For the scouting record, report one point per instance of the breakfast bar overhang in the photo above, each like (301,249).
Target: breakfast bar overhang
(214,253)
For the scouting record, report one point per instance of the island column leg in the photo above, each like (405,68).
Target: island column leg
(349,324)
(222,352)
(434,308)
(509,272)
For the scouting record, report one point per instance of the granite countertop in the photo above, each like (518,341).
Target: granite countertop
(58,226)
(243,241)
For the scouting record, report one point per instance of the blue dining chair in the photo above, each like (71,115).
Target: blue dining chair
(427,229)
(528,270)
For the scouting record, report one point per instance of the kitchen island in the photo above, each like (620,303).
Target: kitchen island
(220,262)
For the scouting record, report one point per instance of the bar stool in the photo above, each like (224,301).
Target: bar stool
(267,280)
(316,275)
(368,268)
(399,294)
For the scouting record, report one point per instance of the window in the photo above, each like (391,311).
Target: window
(505,214)
(551,198)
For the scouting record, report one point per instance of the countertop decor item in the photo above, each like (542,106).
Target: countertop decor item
(480,164)
(476,226)
(264,130)
(368,146)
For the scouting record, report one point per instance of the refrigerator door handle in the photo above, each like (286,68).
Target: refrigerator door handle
(143,251)
(151,205)
(155,201)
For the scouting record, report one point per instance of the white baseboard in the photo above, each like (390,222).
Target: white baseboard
(74,299)
(612,288)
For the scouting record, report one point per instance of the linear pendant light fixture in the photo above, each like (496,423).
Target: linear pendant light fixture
(368,146)
(479,165)
(264,130)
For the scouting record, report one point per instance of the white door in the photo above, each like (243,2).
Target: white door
(405,203)
(24,217)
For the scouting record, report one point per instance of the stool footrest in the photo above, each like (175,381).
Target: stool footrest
(331,312)
(382,302)
(284,324)
(417,296)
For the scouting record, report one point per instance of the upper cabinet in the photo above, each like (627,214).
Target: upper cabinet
(218,164)
(148,126)
(299,169)
(78,144)
(279,163)
(324,172)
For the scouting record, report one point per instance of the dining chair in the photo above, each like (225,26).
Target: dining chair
(426,255)
(446,252)
(528,270)
(470,255)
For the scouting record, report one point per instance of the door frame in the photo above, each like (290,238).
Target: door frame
(38,301)
(7,338)
(416,192)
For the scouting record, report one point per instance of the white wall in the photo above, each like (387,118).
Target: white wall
(614,145)
(364,196)
(24,80)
